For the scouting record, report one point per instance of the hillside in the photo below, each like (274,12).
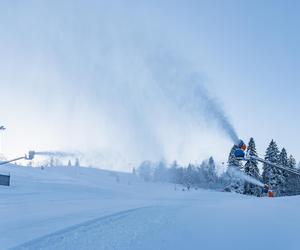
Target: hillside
(85,208)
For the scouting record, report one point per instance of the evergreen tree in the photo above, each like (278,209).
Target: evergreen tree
(69,164)
(292,162)
(189,176)
(283,184)
(210,172)
(251,169)
(272,175)
(160,172)
(180,175)
(283,158)
(201,175)
(173,173)
(145,170)
(236,184)
(292,181)
(233,161)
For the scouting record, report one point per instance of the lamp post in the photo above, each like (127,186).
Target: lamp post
(2,128)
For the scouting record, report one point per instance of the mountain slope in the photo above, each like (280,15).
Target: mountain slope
(84,208)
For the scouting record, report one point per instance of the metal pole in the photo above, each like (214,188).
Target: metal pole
(16,159)
(2,128)
(294,171)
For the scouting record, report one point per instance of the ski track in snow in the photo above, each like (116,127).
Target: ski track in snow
(123,230)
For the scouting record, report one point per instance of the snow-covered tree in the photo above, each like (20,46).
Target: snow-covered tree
(292,181)
(292,162)
(251,169)
(189,176)
(283,185)
(145,170)
(236,184)
(173,173)
(210,172)
(180,175)
(233,161)
(283,158)
(160,172)
(272,175)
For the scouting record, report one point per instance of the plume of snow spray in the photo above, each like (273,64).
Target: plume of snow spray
(187,90)
(214,110)
(241,175)
(59,154)
(135,85)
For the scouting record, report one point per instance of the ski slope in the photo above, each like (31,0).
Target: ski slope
(85,208)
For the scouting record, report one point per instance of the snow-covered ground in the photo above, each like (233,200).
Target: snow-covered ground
(85,208)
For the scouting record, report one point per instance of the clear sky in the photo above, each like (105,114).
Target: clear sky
(111,78)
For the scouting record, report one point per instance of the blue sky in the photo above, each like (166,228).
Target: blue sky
(110,76)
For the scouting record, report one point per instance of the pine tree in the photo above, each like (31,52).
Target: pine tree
(180,175)
(283,158)
(233,161)
(145,170)
(272,175)
(173,173)
(292,181)
(284,162)
(210,172)
(292,162)
(160,172)
(251,169)
(236,184)
(189,176)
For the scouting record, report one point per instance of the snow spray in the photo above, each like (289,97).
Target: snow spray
(215,111)
(188,91)
(55,154)
(213,108)
(239,174)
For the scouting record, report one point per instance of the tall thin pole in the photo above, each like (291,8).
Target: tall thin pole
(2,128)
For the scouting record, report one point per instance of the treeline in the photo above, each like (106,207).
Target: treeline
(282,182)
(205,175)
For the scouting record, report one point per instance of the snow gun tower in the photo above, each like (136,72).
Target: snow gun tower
(5,178)
(240,154)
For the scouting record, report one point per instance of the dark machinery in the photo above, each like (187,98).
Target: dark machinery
(30,156)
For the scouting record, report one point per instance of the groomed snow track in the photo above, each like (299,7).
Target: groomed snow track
(122,230)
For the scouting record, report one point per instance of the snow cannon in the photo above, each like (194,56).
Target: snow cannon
(30,156)
(241,145)
(239,153)
(240,149)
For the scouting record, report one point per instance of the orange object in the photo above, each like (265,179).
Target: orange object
(270,193)
(244,147)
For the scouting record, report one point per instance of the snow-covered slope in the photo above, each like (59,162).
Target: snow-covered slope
(85,208)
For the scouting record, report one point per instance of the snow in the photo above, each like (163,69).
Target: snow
(86,208)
